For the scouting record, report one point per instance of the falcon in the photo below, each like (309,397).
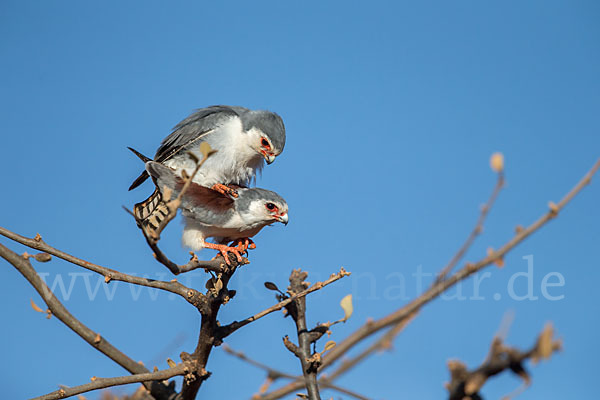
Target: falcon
(244,140)
(211,214)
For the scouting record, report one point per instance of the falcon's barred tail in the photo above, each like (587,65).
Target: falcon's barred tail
(152,211)
(144,175)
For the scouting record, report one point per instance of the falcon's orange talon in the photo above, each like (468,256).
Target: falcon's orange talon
(224,189)
(223,249)
(243,244)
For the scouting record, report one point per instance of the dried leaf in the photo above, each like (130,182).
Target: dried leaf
(219,285)
(171,363)
(271,286)
(544,348)
(210,283)
(35,307)
(42,257)
(205,149)
(329,345)
(346,304)
(497,162)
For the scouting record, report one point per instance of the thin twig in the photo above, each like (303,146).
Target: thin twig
(382,343)
(227,330)
(173,205)
(476,230)
(101,383)
(343,390)
(191,295)
(23,265)
(273,373)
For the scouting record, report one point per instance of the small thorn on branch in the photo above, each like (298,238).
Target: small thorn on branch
(291,346)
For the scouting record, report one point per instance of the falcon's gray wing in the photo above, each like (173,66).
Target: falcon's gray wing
(189,131)
(193,128)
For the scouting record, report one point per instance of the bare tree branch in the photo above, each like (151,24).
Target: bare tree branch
(206,304)
(297,310)
(23,265)
(217,295)
(386,340)
(215,265)
(101,383)
(438,288)
(469,269)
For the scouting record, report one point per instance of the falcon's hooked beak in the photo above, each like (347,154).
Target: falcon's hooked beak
(269,158)
(283,218)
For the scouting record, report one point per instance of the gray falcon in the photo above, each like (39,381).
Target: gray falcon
(243,138)
(211,214)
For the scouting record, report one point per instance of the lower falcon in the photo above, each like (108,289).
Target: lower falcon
(210,214)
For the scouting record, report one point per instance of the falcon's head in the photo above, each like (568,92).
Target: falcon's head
(266,133)
(262,207)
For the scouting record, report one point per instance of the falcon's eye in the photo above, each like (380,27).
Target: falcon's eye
(271,206)
(265,143)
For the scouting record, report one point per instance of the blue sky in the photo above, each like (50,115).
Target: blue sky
(392,110)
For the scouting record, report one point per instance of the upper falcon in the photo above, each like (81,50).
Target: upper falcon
(243,138)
